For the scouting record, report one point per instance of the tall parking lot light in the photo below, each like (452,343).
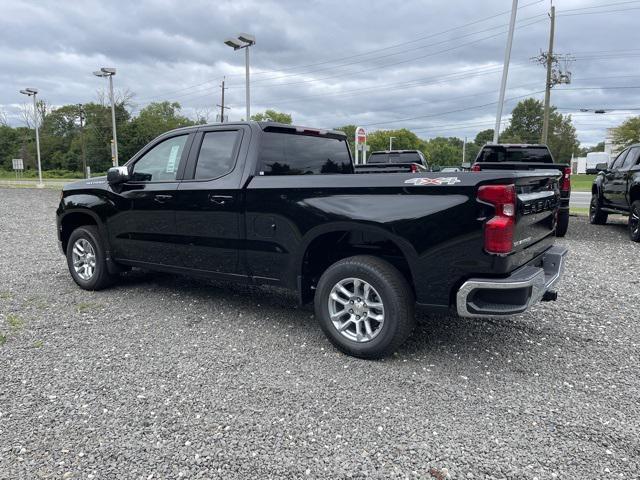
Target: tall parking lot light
(244,40)
(110,72)
(33,92)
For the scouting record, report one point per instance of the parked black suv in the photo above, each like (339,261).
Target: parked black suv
(616,189)
(267,203)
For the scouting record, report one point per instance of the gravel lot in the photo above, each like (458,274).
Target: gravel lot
(167,377)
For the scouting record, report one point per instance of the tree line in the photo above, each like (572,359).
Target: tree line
(71,131)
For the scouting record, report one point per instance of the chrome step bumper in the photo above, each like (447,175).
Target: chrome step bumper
(526,286)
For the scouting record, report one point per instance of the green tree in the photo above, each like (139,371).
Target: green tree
(153,120)
(627,133)
(526,127)
(444,151)
(484,137)
(272,116)
(403,140)
(350,132)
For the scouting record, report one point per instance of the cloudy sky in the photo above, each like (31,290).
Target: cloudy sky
(432,66)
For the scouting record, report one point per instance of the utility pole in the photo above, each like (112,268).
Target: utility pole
(556,74)
(221,104)
(505,71)
(464,150)
(547,91)
(84,157)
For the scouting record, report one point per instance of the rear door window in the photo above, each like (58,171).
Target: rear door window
(216,157)
(290,154)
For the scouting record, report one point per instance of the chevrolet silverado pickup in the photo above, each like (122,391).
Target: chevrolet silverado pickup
(394,161)
(616,189)
(266,203)
(516,156)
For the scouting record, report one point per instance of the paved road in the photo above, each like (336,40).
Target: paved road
(167,377)
(33,183)
(580,199)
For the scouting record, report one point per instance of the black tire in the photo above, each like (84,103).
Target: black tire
(563,223)
(596,215)
(101,278)
(395,294)
(634,221)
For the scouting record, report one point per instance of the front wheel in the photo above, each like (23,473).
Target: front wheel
(365,306)
(86,259)
(596,215)
(634,221)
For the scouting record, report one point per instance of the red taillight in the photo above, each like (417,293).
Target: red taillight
(475,167)
(498,231)
(414,168)
(565,182)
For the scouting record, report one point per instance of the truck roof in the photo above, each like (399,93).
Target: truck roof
(273,126)
(395,151)
(515,145)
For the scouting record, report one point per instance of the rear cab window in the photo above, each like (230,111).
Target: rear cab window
(217,154)
(497,154)
(298,154)
(395,157)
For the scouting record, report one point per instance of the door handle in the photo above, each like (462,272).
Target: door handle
(162,198)
(220,199)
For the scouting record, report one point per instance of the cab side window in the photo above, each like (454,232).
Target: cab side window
(617,163)
(216,157)
(160,164)
(632,158)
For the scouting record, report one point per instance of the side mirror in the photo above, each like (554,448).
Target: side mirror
(602,167)
(117,175)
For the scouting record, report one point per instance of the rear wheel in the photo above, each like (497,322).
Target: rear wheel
(86,259)
(563,223)
(365,306)
(596,215)
(634,221)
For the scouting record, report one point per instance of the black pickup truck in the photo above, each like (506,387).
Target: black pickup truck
(267,203)
(616,189)
(394,161)
(517,156)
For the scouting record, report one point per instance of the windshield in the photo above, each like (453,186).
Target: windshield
(515,154)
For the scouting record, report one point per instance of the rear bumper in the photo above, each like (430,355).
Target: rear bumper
(526,286)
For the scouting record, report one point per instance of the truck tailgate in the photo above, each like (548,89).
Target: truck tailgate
(536,212)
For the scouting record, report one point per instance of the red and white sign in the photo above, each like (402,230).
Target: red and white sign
(361,135)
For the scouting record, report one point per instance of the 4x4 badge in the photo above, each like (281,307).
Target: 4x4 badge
(434,181)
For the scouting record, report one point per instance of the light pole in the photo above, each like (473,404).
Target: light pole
(244,40)
(505,71)
(391,143)
(32,92)
(110,72)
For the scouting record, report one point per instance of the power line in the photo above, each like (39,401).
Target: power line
(451,111)
(393,54)
(442,32)
(357,55)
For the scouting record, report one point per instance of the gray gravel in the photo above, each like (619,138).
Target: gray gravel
(167,377)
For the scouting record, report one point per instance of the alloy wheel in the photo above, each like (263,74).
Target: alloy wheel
(356,310)
(84,259)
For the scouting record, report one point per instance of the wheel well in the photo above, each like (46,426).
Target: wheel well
(634,194)
(72,221)
(594,189)
(330,247)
